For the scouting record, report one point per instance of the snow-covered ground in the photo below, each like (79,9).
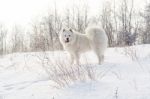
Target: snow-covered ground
(22,76)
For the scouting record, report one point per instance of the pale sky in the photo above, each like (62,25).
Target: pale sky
(23,11)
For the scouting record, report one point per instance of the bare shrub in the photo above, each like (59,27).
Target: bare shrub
(116,93)
(131,52)
(64,74)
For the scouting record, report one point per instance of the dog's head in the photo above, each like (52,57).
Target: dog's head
(67,36)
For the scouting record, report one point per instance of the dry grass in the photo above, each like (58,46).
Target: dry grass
(64,74)
(131,53)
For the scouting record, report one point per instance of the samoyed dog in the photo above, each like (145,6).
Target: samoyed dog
(76,43)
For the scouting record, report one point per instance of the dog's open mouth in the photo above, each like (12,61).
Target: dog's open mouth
(67,41)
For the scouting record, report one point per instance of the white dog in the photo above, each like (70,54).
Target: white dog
(76,43)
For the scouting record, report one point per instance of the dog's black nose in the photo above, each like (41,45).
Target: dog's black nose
(67,40)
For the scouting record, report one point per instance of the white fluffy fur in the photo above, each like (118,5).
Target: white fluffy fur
(94,39)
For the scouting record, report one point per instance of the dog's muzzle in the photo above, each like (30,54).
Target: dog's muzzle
(67,40)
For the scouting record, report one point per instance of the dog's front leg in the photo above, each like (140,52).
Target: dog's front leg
(74,58)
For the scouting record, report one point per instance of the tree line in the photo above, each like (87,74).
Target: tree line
(124,25)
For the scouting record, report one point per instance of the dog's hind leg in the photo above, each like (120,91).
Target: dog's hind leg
(101,58)
(99,55)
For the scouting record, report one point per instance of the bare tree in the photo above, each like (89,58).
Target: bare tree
(146,32)
(17,39)
(3,34)
(46,32)
(126,36)
(77,18)
(106,20)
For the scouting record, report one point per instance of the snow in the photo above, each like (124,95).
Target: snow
(22,76)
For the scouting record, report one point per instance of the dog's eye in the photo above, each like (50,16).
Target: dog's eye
(65,35)
(69,35)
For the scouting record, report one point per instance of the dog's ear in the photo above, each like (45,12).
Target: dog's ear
(70,30)
(64,30)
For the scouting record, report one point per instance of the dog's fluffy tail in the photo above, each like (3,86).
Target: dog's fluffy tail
(93,29)
(95,32)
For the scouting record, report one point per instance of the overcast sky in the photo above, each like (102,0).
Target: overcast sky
(22,11)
